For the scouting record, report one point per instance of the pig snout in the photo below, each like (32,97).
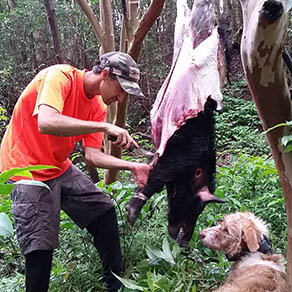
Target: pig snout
(202,234)
(181,233)
(183,213)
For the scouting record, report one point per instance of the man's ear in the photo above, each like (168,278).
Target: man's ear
(105,73)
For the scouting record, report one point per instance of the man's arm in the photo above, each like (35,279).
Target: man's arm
(51,122)
(94,156)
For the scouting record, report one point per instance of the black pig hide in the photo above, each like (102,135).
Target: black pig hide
(187,168)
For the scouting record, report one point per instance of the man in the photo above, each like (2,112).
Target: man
(60,106)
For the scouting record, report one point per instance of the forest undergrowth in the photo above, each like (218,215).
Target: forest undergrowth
(246,180)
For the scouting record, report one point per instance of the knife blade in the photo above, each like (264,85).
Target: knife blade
(132,148)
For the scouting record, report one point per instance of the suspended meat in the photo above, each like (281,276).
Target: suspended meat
(183,126)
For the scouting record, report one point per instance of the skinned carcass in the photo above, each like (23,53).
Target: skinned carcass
(183,123)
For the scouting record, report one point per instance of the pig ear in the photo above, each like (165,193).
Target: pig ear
(206,197)
(250,237)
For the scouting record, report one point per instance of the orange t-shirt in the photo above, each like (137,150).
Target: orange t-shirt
(61,87)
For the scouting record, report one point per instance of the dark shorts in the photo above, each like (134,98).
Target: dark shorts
(36,210)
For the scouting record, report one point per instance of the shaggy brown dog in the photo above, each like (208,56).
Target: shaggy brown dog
(244,239)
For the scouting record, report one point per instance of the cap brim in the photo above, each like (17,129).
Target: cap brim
(130,87)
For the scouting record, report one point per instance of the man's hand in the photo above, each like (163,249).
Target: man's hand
(121,137)
(141,172)
(94,156)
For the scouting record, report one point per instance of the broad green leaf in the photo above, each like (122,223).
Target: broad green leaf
(268,172)
(286,139)
(6,228)
(5,175)
(6,189)
(167,252)
(152,255)
(156,253)
(116,185)
(32,183)
(121,195)
(194,289)
(288,148)
(25,173)
(66,225)
(130,284)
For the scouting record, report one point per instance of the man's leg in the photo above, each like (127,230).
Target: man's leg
(107,242)
(90,208)
(38,266)
(36,212)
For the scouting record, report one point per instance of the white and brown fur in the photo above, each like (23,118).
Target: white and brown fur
(240,237)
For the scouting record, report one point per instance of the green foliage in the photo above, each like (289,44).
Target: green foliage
(12,284)
(286,140)
(251,183)
(5,189)
(248,183)
(9,253)
(238,127)
(6,228)
(153,261)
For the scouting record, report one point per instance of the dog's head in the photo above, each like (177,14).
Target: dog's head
(237,233)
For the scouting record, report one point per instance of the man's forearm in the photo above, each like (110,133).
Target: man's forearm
(99,159)
(51,122)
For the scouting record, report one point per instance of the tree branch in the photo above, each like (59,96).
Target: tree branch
(99,33)
(145,25)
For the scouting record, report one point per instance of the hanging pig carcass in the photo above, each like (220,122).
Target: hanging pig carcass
(183,126)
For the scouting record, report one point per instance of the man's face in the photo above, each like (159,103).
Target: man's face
(111,90)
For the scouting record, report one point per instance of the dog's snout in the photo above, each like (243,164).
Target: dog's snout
(202,234)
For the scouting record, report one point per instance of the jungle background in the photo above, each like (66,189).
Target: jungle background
(246,175)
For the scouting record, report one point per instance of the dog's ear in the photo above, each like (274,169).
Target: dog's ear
(250,238)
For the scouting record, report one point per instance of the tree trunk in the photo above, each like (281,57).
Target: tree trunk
(264,32)
(145,25)
(108,46)
(135,42)
(131,23)
(232,16)
(216,4)
(238,13)
(104,33)
(96,26)
(50,10)
(226,13)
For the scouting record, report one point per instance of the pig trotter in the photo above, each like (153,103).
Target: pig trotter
(135,206)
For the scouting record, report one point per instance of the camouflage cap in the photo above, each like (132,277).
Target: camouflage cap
(125,69)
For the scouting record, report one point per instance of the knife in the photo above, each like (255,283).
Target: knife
(132,148)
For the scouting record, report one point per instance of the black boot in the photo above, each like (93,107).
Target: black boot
(107,242)
(38,266)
